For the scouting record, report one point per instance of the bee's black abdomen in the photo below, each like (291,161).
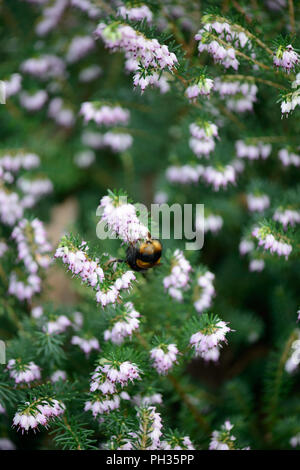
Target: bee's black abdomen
(144,255)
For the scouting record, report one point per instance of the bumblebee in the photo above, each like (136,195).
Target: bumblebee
(144,255)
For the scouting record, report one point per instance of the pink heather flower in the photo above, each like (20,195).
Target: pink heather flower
(11,209)
(62,115)
(206,291)
(206,340)
(24,290)
(258,202)
(212,223)
(117,142)
(33,249)
(85,158)
(86,345)
(286,58)
(288,158)
(87,7)
(104,114)
(220,177)
(23,372)
(287,217)
(269,242)
(295,440)
(51,17)
(88,74)
(164,357)
(125,326)
(136,46)
(246,246)
(137,13)
(79,47)
(222,440)
(122,220)
(33,102)
(293,361)
(224,55)
(59,325)
(256,265)
(185,174)
(31,418)
(202,87)
(13,85)
(79,264)
(103,405)
(44,67)
(252,152)
(178,279)
(18,161)
(58,375)
(182,443)
(150,416)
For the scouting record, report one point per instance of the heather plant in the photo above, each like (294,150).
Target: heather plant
(111,104)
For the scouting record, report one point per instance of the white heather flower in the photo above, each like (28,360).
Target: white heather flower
(205,291)
(269,242)
(207,340)
(41,414)
(178,279)
(23,372)
(86,345)
(85,158)
(125,326)
(164,357)
(258,202)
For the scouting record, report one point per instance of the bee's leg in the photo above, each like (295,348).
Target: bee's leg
(116,260)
